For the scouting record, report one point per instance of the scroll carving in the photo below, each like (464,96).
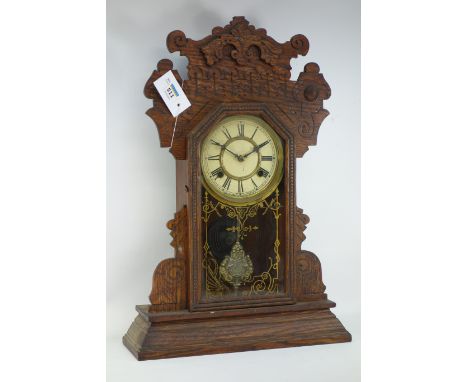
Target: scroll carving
(301,221)
(309,285)
(169,289)
(308,270)
(179,232)
(238,48)
(240,63)
(159,112)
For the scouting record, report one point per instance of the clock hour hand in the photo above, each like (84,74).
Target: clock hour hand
(256,148)
(236,155)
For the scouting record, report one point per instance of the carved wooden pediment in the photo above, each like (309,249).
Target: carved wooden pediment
(239,63)
(238,49)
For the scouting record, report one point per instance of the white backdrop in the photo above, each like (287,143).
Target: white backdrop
(141,179)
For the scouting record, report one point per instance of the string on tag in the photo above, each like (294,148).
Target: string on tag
(175,122)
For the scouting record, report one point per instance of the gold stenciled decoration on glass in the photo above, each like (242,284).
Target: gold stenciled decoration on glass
(236,269)
(267,282)
(214,285)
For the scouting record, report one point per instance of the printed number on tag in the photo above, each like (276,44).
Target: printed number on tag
(172,93)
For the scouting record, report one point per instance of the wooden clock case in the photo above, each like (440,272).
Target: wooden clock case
(237,69)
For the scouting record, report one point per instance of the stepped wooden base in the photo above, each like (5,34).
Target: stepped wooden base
(155,335)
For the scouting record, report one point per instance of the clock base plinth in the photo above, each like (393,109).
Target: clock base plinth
(169,334)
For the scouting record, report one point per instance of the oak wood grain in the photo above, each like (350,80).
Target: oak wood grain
(237,69)
(194,335)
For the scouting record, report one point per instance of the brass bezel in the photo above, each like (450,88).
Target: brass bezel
(275,179)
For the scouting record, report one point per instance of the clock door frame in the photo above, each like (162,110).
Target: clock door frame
(195,139)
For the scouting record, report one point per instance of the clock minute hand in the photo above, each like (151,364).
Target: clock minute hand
(256,148)
(225,148)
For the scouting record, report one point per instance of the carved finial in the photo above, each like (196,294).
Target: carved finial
(300,43)
(176,40)
(165,65)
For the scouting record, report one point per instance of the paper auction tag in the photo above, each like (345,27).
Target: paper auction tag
(172,93)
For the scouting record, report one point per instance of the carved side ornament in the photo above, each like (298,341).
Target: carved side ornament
(169,290)
(308,270)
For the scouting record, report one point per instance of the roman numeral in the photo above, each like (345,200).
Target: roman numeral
(216,143)
(240,187)
(214,157)
(227,182)
(217,172)
(226,133)
(240,129)
(254,133)
(255,184)
(267,158)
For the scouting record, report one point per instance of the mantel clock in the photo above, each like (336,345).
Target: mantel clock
(239,279)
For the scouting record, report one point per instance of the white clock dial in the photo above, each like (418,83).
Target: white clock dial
(241,159)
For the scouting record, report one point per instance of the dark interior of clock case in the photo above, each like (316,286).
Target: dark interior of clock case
(243,247)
